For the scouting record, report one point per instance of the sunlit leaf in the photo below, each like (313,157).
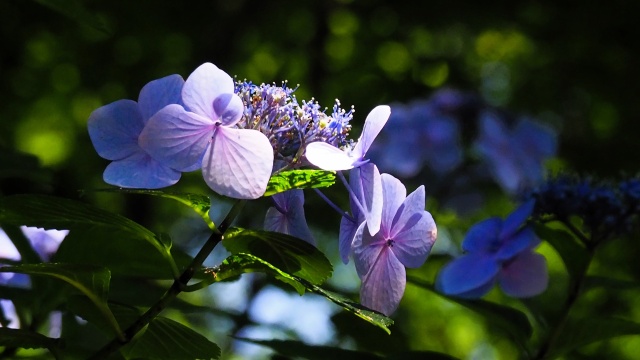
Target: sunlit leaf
(299,179)
(170,340)
(287,253)
(26,339)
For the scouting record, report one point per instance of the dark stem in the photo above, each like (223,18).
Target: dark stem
(179,285)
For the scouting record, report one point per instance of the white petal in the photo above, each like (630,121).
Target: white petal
(328,157)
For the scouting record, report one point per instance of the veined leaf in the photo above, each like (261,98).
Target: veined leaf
(170,340)
(299,179)
(287,253)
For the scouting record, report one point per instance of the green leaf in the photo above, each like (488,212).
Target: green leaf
(512,321)
(26,339)
(199,203)
(573,254)
(584,331)
(75,10)
(91,281)
(168,339)
(287,253)
(85,222)
(299,179)
(298,349)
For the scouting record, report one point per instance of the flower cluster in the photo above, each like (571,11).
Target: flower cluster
(497,251)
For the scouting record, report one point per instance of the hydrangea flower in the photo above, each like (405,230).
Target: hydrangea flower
(328,157)
(287,216)
(406,235)
(235,162)
(114,130)
(497,251)
(515,156)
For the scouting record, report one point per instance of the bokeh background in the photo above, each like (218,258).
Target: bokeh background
(571,66)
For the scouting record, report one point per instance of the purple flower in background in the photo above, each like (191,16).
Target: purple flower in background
(515,156)
(287,216)
(235,162)
(114,130)
(501,251)
(407,233)
(365,184)
(328,157)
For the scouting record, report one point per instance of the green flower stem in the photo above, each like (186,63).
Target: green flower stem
(576,288)
(178,286)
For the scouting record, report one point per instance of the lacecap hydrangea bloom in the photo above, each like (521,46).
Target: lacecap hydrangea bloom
(499,251)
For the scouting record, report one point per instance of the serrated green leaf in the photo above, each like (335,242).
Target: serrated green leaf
(84,221)
(238,264)
(170,340)
(584,331)
(573,254)
(287,253)
(298,349)
(299,179)
(199,203)
(514,322)
(91,281)
(26,339)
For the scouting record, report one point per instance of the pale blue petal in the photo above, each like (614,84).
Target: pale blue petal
(374,122)
(177,138)
(367,184)
(516,219)
(345,239)
(293,221)
(160,93)
(412,245)
(203,86)
(328,157)
(140,171)
(520,241)
(467,273)
(114,129)
(393,194)
(383,287)
(411,206)
(238,163)
(525,276)
(228,109)
(366,249)
(483,236)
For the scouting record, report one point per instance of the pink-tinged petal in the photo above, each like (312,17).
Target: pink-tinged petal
(408,213)
(525,276)
(177,138)
(374,122)
(292,221)
(328,157)
(114,129)
(516,219)
(413,245)
(483,236)
(160,93)
(238,163)
(346,237)
(366,249)
(140,171)
(367,184)
(467,273)
(383,287)
(228,109)
(393,194)
(203,86)
(517,243)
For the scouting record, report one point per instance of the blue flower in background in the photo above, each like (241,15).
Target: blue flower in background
(287,216)
(497,251)
(114,130)
(515,156)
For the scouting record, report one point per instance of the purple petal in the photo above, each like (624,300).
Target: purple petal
(516,219)
(292,221)
(520,241)
(140,171)
(160,93)
(367,184)
(383,287)
(177,138)
(539,140)
(228,108)
(483,236)
(525,276)
(114,129)
(374,122)
(366,249)
(467,273)
(412,245)
(238,163)
(393,194)
(411,206)
(203,86)
(348,230)
(328,157)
